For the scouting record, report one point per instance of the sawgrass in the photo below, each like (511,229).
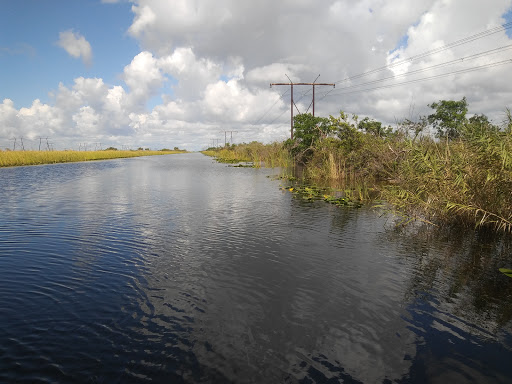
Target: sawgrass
(466,181)
(18,158)
(269,155)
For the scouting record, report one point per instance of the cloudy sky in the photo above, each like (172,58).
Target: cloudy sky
(166,73)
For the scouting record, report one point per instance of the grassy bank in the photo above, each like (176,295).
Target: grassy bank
(462,175)
(17,158)
(260,155)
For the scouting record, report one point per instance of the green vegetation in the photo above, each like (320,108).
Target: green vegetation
(15,158)
(506,271)
(460,175)
(270,155)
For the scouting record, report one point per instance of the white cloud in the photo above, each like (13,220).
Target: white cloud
(87,121)
(144,78)
(76,46)
(211,63)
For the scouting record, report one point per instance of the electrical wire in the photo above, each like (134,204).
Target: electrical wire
(436,66)
(457,43)
(490,65)
(454,44)
(272,106)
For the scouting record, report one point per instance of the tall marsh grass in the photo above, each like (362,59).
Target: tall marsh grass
(462,181)
(466,181)
(261,155)
(17,158)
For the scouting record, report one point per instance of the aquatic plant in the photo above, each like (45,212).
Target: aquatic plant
(506,271)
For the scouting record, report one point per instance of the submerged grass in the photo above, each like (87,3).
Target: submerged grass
(17,158)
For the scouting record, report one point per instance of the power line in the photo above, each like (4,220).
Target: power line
(282,113)
(292,103)
(412,58)
(447,63)
(465,40)
(508,61)
(268,110)
(225,136)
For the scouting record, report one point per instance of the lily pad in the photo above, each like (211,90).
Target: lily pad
(506,271)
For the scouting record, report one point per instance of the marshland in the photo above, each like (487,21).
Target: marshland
(444,169)
(17,158)
(355,252)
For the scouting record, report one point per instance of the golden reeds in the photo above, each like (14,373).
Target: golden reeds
(17,158)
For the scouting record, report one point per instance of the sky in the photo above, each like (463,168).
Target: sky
(78,74)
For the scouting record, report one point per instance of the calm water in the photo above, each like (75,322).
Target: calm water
(176,269)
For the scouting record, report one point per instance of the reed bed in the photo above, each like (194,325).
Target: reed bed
(18,158)
(269,155)
(465,181)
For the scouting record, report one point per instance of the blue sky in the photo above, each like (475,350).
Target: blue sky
(508,19)
(33,64)
(165,73)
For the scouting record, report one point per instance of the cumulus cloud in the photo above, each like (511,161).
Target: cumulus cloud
(144,78)
(211,62)
(76,46)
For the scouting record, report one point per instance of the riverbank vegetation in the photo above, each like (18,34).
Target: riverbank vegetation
(17,158)
(269,155)
(444,168)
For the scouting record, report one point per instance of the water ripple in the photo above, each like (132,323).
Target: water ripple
(176,269)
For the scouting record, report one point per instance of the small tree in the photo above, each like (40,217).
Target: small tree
(479,126)
(449,117)
(308,130)
(345,128)
(414,128)
(374,127)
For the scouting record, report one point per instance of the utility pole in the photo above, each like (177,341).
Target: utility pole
(225,136)
(291,84)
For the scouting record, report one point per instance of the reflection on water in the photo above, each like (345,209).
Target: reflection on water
(177,269)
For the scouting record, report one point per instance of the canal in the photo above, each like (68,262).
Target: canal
(182,270)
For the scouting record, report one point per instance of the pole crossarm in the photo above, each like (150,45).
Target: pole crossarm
(291,84)
(332,84)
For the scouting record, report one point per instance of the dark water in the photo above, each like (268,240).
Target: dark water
(174,269)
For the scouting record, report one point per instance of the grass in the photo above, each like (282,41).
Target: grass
(270,155)
(464,181)
(18,158)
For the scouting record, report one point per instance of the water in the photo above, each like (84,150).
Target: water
(177,269)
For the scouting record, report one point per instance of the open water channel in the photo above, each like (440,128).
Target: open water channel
(177,269)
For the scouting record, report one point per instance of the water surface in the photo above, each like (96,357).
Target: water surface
(178,269)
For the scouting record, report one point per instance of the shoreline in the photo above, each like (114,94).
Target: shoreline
(29,158)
